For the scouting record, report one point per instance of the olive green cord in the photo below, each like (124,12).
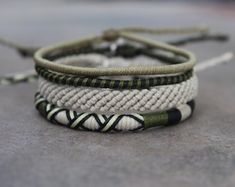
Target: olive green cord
(112,33)
(173,30)
(29,51)
(41,59)
(24,51)
(204,35)
(126,33)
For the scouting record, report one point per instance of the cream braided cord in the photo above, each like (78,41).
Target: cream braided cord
(118,101)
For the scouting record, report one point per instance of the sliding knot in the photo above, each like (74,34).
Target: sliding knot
(110,34)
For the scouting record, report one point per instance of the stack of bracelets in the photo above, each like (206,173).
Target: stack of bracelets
(116,98)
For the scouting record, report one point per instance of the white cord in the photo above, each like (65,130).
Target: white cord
(104,100)
(226,57)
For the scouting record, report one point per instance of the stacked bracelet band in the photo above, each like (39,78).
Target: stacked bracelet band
(43,58)
(114,122)
(130,98)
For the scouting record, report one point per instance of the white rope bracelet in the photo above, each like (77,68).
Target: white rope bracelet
(118,101)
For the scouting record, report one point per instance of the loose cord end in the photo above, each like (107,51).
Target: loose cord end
(27,76)
(226,57)
(24,51)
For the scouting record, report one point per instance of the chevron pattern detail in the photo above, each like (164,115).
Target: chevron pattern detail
(88,121)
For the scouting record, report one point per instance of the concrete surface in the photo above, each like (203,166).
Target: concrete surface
(199,152)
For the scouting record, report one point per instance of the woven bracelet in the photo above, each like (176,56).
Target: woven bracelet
(101,104)
(108,99)
(115,122)
(103,100)
(115,105)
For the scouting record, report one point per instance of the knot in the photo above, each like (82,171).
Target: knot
(110,34)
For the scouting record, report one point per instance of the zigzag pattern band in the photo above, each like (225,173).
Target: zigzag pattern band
(109,123)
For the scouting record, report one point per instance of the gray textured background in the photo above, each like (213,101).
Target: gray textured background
(199,152)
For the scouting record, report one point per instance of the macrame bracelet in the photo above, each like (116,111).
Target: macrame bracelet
(101,100)
(115,122)
(77,98)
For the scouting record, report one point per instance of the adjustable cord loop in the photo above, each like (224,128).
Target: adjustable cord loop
(24,51)
(111,34)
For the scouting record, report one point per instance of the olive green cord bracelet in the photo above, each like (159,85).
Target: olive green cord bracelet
(41,54)
(110,83)
(126,51)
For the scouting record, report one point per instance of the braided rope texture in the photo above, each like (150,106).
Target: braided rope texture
(105,101)
(110,123)
(139,83)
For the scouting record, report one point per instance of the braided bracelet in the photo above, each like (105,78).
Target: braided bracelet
(86,98)
(76,100)
(106,99)
(103,100)
(114,122)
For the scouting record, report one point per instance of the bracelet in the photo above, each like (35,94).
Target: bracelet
(84,107)
(116,122)
(124,50)
(41,59)
(81,98)
(101,100)
(110,83)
